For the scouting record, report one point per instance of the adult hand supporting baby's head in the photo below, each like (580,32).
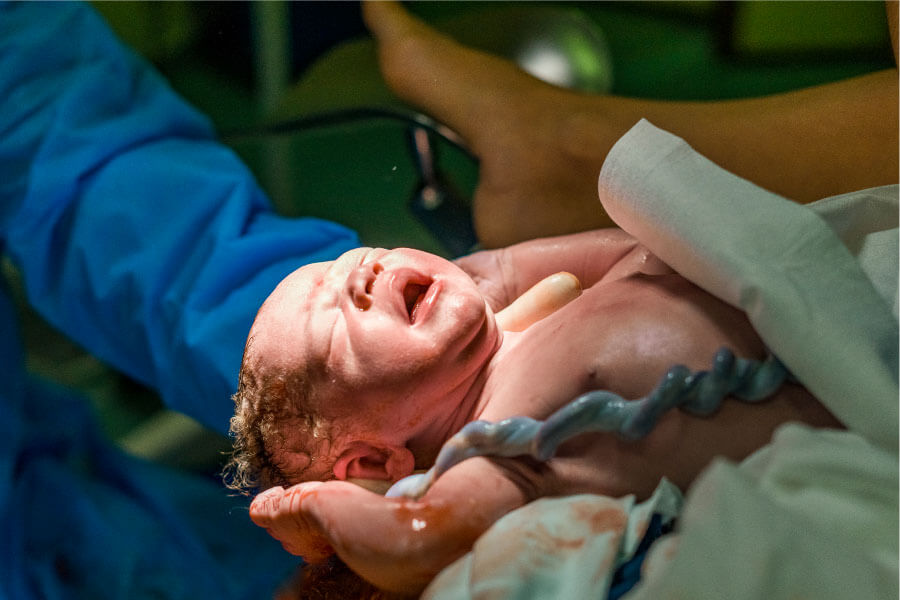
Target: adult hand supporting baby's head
(389,542)
(285,515)
(397,544)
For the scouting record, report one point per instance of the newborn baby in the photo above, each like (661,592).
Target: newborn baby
(361,368)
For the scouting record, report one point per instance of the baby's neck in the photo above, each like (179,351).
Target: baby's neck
(468,402)
(482,406)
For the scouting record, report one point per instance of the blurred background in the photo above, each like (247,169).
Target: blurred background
(294,88)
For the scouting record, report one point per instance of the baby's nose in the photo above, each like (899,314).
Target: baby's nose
(359,284)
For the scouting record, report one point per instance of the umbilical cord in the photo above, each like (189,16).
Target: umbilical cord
(698,393)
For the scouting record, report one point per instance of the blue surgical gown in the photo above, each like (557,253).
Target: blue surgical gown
(151,245)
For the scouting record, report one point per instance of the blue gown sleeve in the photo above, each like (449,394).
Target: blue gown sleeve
(138,234)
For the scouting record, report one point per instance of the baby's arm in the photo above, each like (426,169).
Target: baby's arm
(396,544)
(505,274)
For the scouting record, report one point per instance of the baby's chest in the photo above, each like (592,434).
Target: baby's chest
(621,338)
(558,359)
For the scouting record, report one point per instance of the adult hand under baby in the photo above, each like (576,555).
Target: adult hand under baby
(287,516)
(397,544)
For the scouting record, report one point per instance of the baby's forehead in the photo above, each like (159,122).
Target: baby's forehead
(286,330)
(300,283)
(279,322)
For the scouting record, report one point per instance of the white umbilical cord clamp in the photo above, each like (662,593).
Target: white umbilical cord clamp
(699,393)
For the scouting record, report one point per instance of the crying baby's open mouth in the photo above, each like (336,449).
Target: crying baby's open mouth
(413,295)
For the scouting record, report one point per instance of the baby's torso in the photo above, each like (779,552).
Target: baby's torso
(622,335)
(619,335)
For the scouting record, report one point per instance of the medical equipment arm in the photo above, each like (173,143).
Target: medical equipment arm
(138,235)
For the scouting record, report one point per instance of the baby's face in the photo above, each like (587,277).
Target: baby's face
(387,335)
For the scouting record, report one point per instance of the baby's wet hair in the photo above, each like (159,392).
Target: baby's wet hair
(278,436)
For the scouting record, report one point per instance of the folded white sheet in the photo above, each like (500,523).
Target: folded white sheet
(780,262)
(815,513)
(812,515)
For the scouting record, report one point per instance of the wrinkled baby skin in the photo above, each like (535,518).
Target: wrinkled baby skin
(634,320)
(393,341)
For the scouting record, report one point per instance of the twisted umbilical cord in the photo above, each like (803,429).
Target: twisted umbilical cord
(699,393)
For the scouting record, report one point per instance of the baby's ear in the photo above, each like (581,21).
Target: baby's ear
(362,460)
